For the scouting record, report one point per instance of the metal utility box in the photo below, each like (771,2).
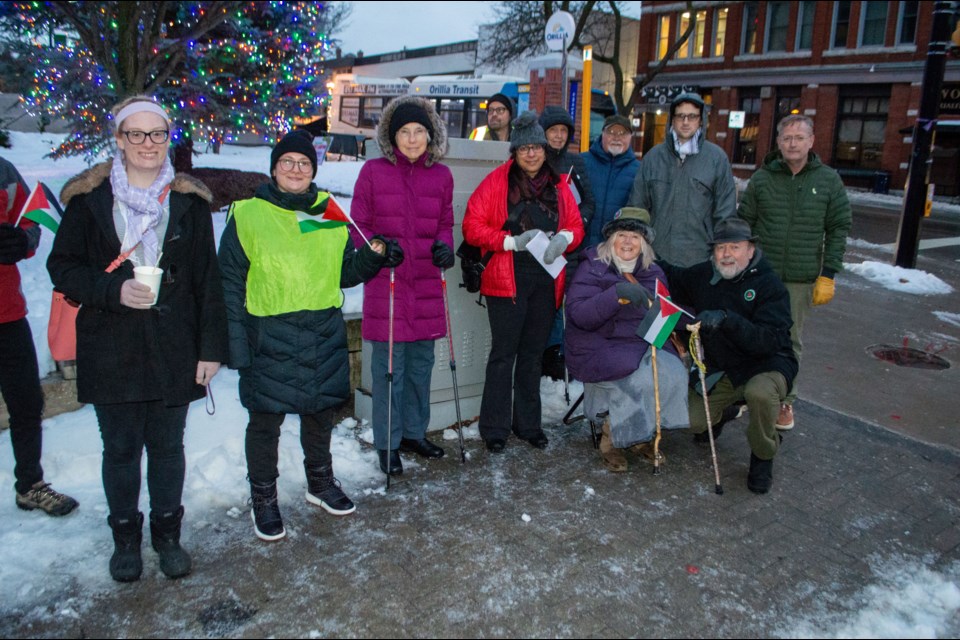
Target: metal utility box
(470,162)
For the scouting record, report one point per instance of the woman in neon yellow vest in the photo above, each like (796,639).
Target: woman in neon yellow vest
(284,264)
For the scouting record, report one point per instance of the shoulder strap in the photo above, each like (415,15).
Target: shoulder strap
(120,259)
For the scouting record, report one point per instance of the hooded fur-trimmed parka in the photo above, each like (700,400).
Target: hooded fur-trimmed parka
(132,355)
(411,202)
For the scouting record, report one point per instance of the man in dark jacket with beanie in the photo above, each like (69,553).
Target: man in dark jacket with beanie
(744,315)
(500,110)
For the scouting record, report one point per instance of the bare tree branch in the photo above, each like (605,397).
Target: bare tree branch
(645,79)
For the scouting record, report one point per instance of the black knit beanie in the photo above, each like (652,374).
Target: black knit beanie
(505,101)
(296,141)
(405,114)
(553,116)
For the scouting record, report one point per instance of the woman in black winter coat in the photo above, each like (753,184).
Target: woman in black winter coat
(141,357)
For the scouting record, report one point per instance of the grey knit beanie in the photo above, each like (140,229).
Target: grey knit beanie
(526,130)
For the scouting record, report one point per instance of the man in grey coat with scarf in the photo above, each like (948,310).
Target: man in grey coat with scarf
(686,184)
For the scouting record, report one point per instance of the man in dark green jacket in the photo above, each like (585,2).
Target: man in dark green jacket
(798,207)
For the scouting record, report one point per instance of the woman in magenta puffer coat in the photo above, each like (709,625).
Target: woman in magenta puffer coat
(408,195)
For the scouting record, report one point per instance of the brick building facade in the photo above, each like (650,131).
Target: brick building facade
(855,67)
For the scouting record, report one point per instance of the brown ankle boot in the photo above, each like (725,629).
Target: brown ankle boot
(613,458)
(645,449)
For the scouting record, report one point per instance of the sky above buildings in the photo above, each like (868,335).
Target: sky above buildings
(382,27)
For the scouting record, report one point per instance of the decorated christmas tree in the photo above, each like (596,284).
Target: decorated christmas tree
(223,68)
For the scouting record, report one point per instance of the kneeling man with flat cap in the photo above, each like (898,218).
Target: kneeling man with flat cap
(744,311)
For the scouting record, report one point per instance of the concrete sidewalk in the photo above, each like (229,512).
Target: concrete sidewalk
(535,543)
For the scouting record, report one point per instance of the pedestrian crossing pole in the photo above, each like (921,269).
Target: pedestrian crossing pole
(914,200)
(586,93)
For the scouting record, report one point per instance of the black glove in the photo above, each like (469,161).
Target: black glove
(14,245)
(442,255)
(635,293)
(711,320)
(394,254)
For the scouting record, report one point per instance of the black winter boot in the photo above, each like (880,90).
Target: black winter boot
(165,537)
(126,565)
(265,512)
(396,466)
(760,478)
(324,491)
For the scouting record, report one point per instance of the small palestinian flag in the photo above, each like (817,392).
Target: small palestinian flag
(43,208)
(662,290)
(332,216)
(659,321)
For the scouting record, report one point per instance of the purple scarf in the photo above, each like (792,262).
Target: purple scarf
(143,208)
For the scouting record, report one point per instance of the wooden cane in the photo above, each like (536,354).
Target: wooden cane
(656,403)
(696,350)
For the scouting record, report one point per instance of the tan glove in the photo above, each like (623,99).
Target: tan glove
(823,290)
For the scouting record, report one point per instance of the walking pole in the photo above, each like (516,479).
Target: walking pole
(390,380)
(453,365)
(656,400)
(563,323)
(696,350)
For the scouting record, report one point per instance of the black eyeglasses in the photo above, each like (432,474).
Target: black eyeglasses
(302,165)
(157,136)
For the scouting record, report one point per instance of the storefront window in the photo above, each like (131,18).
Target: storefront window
(861,128)
(745,139)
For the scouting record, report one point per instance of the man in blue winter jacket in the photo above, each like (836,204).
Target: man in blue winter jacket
(611,167)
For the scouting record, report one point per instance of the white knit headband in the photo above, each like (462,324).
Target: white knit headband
(141,106)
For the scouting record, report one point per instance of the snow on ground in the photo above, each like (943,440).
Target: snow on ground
(949,318)
(900,279)
(907,600)
(857,243)
(894,200)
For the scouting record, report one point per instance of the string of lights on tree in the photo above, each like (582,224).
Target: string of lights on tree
(257,73)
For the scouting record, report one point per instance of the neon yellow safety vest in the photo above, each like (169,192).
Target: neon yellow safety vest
(479,133)
(290,270)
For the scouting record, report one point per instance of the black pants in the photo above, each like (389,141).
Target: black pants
(126,429)
(20,386)
(518,329)
(263,440)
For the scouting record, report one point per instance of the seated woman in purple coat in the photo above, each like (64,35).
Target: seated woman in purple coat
(408,195)
(606,302)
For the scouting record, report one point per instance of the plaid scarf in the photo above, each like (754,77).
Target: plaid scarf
(693,145)
(143,208)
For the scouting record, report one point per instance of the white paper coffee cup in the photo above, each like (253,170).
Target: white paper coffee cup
(149,276)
